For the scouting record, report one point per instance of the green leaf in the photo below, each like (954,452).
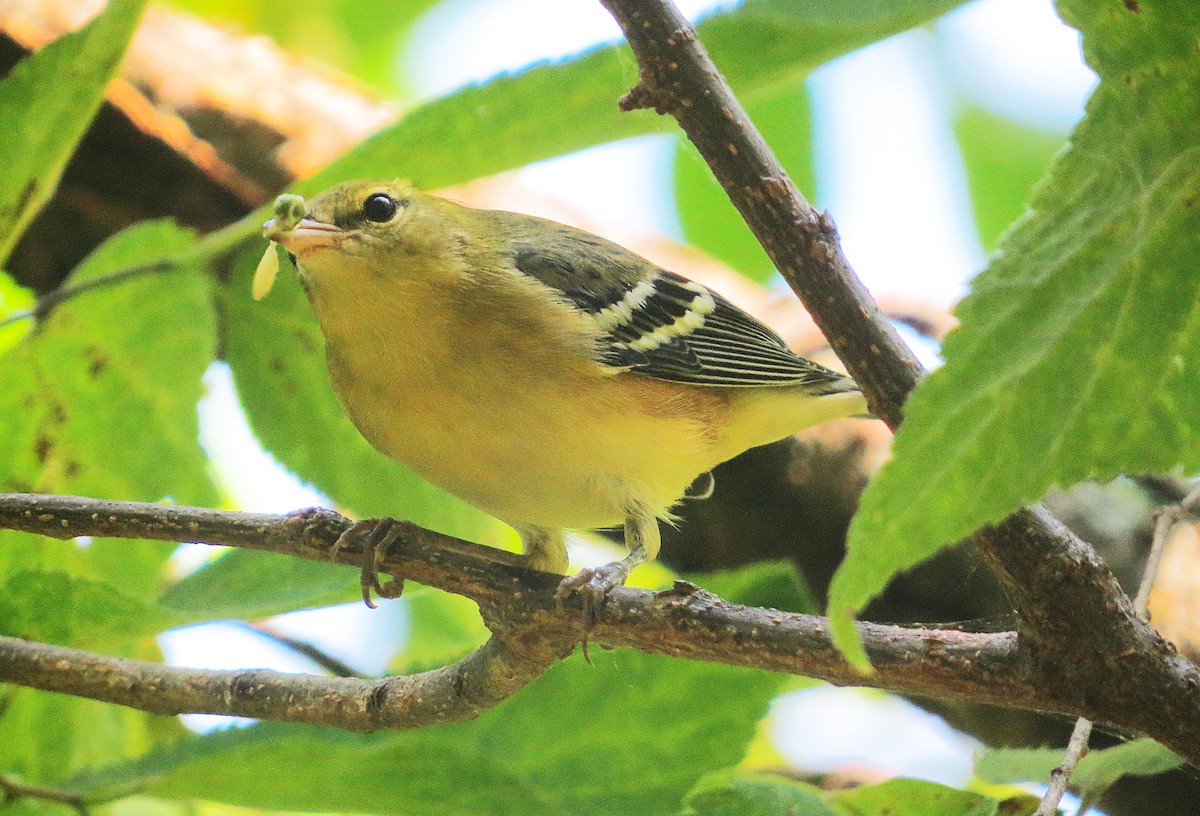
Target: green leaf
(760,46)
(1141,757)
(442,628)
(581,740)
(1003,159)
(1096,771)
(47,737)
(249,585)
(1075,357)
(771,584)
(101,400)
(46,104)
(912,797)
(54,607)
(14,298)
(744,793)
(137,566)
(1004,766)
(709,220)
(145,806)
(276,353)
(479,130)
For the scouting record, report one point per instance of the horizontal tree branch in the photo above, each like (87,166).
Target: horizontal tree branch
(1086,637)
(529,630)
(458,692)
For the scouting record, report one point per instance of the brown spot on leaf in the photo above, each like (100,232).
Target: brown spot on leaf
(97,361)
(305,341)
(42,446)
(71,468)
(58,413)
(1134,6)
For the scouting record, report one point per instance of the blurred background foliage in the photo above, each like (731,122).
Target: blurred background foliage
(924,161)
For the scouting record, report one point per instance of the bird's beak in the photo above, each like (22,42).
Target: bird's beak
(307,236)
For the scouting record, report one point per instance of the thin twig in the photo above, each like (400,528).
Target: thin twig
(210,246)
(1061,775)
(13,789)
(46,303)
(1165,520)
(331,664)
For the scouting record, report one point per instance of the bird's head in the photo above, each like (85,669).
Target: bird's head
(356,219)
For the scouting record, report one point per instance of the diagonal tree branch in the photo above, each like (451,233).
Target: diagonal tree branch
(678,78)
(1081,628)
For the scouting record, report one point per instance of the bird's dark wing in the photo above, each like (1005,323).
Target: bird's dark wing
(656,322)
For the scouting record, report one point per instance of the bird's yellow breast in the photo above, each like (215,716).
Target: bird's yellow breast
(512,415)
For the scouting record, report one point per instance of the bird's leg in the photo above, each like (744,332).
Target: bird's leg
(545,548)
(375,537)
(642,538)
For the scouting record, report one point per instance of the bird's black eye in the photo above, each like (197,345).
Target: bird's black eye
(380,208)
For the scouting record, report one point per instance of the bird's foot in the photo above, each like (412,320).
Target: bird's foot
(374,537)
(592,585)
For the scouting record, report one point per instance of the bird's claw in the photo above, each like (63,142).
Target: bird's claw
(592,585)
(374,537)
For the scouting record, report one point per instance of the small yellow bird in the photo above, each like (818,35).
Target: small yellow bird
(545,375)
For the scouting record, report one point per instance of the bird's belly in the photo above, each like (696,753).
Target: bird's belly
(511,478)
(535,464)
